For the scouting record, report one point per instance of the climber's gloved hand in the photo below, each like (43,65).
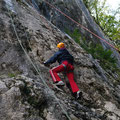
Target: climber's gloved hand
(46,64)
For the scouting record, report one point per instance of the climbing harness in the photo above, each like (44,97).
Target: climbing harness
(14,28)
(64,66)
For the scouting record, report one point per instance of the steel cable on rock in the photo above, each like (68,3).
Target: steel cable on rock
(28,57)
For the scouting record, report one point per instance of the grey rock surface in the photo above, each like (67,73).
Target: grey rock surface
(78,12)
(23,94)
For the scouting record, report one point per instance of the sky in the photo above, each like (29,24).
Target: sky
(113,4)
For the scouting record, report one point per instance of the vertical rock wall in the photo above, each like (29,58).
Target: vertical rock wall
(77,11)
(23,96)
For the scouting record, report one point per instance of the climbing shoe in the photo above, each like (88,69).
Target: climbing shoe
(60,83)
(78,95)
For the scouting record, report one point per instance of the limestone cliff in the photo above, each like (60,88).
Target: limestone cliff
(24,94)
(78,12)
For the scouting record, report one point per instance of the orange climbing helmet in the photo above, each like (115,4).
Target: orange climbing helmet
(60,45)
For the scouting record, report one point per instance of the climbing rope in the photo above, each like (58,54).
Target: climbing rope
(28,57)
(52,6)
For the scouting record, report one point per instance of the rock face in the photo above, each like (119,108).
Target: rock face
(77,11)
(18,99)
(27,91)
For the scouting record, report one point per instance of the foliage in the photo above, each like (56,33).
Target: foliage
(14,74)
(104,56)
(108,22)
(11,75)
(110,26)
(96,50)
(75,35)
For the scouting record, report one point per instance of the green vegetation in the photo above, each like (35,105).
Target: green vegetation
(107,61)
(75,35)
(11,75)
(104,56)
(106,19)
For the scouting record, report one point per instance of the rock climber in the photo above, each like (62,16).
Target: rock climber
(65,60)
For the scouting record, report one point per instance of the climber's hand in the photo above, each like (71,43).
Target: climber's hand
(45,64)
